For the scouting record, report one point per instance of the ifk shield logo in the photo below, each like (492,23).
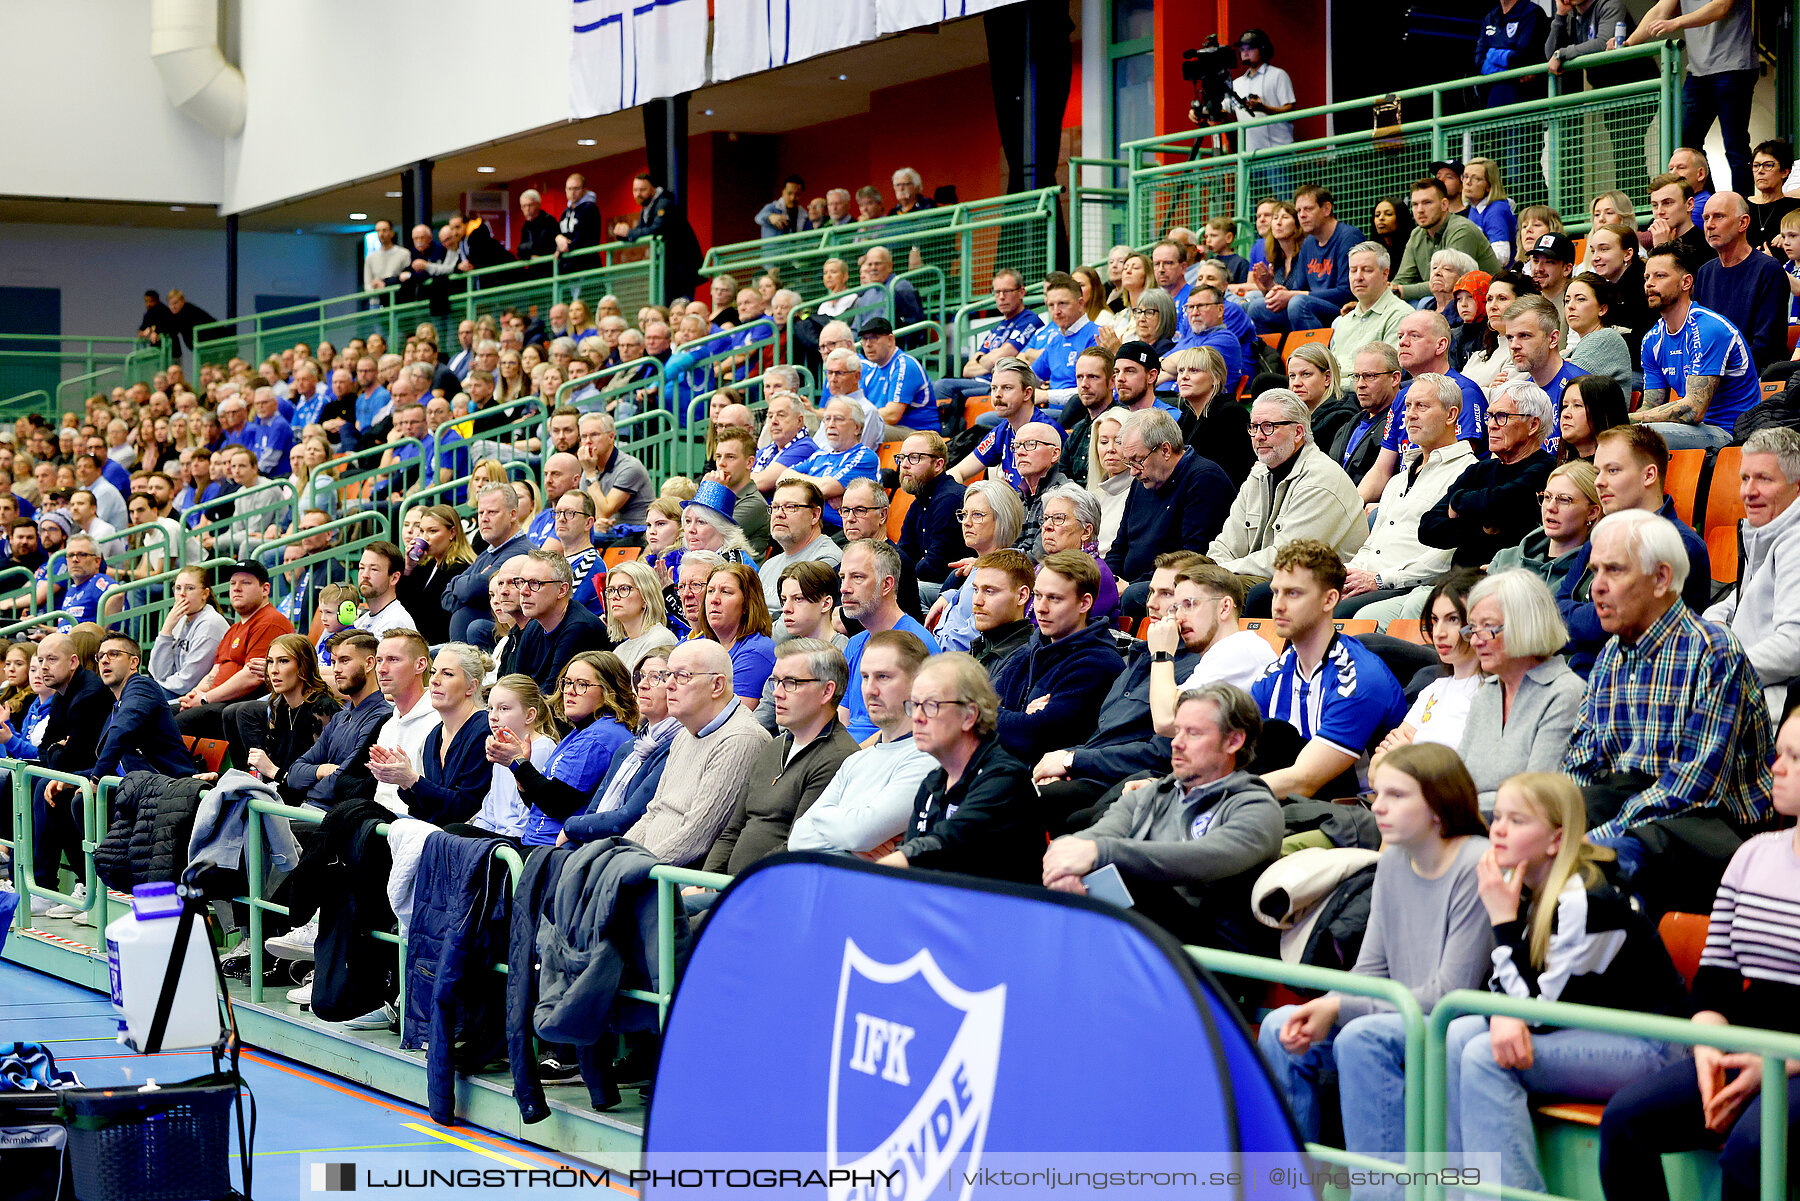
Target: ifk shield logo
(914,1059)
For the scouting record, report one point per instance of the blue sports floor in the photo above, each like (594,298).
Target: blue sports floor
(304,1115)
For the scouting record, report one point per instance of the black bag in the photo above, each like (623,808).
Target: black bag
(34,1146)
(1779,411)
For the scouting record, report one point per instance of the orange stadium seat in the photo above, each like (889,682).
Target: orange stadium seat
(1724,507)
(1684,481)
(1408,628)
(1722,550)
(622,554)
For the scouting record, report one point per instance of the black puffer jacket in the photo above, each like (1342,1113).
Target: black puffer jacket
(152,821)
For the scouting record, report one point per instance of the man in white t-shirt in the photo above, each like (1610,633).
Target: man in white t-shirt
(378,575)
(1261,91)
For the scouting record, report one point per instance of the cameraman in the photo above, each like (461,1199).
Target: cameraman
(1262,90)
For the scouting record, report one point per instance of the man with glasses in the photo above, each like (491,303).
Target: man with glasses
(1037,451)
(845,372)
(710,761)
(1204,325)
(140,734)
(930,535)
(1177,499)
(869,580)
(977,813)
(87,582)
(1004,339)
(795,523)
(1376,379)
(1294,491)
(562,474)
(1749,290)
(841,459)
(556,629)
(810,679)
(1492,504)
(1375,315)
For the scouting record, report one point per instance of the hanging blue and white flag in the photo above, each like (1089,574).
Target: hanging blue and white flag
(897,16)
(758,35)
(629,52)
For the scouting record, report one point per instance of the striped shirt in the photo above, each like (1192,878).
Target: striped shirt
(1680,703)
(1349,702)
(1750,970)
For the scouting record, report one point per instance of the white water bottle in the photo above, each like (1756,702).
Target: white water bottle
(1620,33)
(138,947)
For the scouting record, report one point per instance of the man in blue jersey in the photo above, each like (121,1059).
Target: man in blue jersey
(1014,386)
(789,444)
(1335,692)
(87,582)
(840,459)
(1699,377)
(895,383)
(271,436)
(1071,334)
(1006,339)
(1203,324)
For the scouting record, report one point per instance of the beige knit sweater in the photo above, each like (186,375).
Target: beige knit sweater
(700,785)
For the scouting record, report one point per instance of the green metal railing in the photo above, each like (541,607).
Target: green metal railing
(967,242)
(1594,140)
(1097,211)
(24,853)
(630,271)
(1774,1047)
(45,364)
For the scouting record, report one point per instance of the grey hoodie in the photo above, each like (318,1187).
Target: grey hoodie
(1209,842)
(1763,610)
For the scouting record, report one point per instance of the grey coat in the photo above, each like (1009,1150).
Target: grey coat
(1535,735)
(1763,611)
(1316,500)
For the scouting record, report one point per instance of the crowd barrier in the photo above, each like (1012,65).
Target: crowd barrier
(632,271)
(1561,149)
(966,242)
(40,370)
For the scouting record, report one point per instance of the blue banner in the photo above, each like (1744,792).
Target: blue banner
(894,1030)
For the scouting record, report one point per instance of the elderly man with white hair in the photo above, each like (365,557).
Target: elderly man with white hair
(1394,560)
(840,459)
(1294,491)
(1673,723)
(1492,505)
(844,372)
(1762,612)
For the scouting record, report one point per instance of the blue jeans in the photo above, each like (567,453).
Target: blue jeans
(1371,1050)
(1630,851)
(1304,311)
(1488,1107)
(1724,98)
(1681,436)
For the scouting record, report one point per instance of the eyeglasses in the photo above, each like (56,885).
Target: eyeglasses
(1487,632)
(1144,310)
(1204,304)
(1055,521)
(914,459)
(685,677)
(784,507)
(578,687)
(80,554)
(1028,445)
(536,586)
(1369,377)
(1498,419)
(1266,429)
(1558,500)
(929,708)
(1765,165)
(789,683)
(616,591)
(115,653)
(1187,604)
(571,514)
(973,515)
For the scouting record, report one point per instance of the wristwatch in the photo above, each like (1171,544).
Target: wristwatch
(1162,656)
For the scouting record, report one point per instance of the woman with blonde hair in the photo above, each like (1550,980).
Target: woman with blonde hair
(594,696)
(1535,220)
(17,695)
(1093,291)
(1561,933)
(516,704)
(1109,475)
(436,554)
(510,380)
(449,784)
(1484,191)
(1136,276)
(1222,427)
(635,612)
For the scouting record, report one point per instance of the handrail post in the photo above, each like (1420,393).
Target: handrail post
(1774,1149)
(253,872)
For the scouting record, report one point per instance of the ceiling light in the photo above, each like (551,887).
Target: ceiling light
(584,141)
(359,216)
(706,112)
(178,208)
(393,195)
(842,78)
(486,170)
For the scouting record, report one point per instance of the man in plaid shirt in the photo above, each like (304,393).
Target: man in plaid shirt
(1672,699)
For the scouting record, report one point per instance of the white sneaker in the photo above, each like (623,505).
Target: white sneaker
(41,905)
(295,944)
(65,912)
(376,1019)
(302,996)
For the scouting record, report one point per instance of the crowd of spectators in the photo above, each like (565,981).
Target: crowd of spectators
(1056,660)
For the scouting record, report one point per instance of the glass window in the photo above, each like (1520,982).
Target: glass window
(1133,20)
(1134,99)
